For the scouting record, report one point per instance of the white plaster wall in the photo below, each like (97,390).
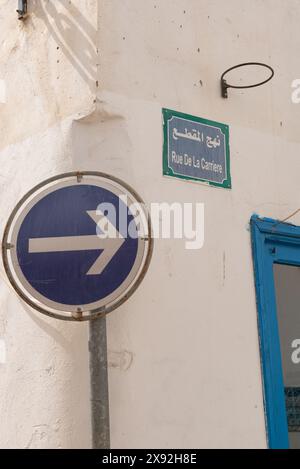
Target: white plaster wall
(183,351)
(48,65)
(191,327)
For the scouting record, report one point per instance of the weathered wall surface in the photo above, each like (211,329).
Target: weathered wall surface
(183,351)
(48,64)
(194,380)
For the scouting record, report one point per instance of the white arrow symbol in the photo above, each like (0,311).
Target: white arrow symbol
(109,244)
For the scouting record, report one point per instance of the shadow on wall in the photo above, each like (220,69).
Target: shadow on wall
(73,33)
(63,366)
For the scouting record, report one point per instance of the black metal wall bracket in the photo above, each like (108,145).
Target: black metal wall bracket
(22,9)
(225,85)
(224,88)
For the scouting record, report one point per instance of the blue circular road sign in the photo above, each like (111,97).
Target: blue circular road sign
(77,245)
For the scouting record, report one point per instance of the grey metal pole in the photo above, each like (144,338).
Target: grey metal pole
(99,384)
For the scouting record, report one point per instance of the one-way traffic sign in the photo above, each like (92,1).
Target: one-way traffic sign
(67,248)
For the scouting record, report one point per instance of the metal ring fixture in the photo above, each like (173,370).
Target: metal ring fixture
(225,85)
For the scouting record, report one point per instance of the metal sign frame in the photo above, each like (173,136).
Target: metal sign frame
(9,248)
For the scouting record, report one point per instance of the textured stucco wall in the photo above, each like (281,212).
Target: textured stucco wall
(183,351)
(48,64)
(191,329)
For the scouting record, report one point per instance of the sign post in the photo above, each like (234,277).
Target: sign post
(76,247)
(99,384)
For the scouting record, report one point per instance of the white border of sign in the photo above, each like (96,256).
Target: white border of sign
(77,312)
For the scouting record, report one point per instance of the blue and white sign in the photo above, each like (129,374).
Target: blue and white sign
(75,245)
(196,149)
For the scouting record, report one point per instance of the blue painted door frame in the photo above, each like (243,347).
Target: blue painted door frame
(272,242)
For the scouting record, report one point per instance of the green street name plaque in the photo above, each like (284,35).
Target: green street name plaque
(196,149)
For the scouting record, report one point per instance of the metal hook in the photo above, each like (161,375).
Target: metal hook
(22,9)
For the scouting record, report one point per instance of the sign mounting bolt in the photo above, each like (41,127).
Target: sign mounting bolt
(79,177)
(77,314)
